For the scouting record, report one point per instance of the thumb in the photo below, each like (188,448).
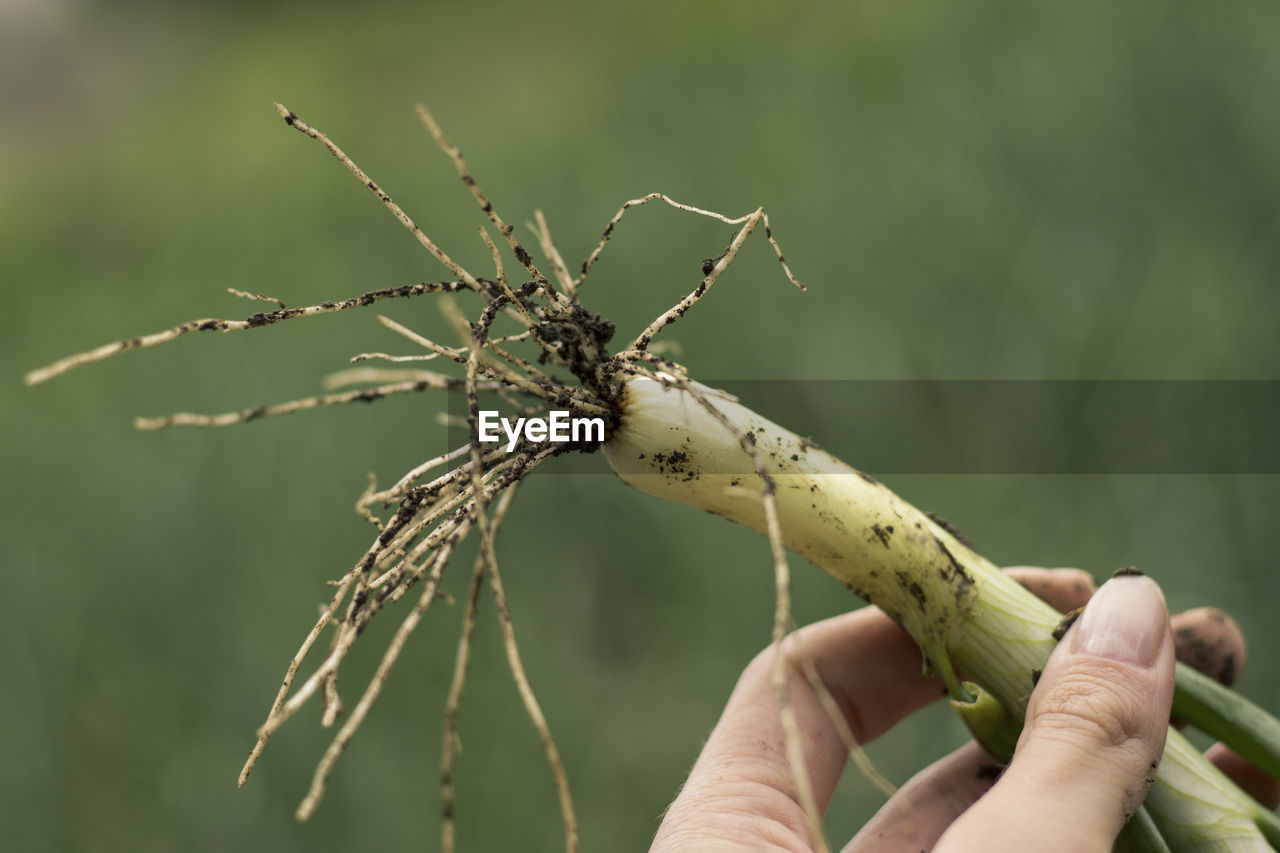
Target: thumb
(1094,732)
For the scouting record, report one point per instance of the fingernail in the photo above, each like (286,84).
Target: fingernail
(1124,621)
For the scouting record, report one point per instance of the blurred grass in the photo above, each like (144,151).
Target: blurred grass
(981,190)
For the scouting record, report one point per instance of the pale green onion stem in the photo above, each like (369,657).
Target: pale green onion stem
(963,612)
(1231,718)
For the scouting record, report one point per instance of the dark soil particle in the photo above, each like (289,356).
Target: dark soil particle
(1068,620)
(963,582)
(951,528)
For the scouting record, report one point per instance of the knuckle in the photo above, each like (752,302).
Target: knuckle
(1091,708)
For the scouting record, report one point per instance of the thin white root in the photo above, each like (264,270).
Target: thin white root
(548,246)
(256,297)
(291,119)
(254,321)
(425,382)
(450,745)
(688,208)
(570,368)
(522,255)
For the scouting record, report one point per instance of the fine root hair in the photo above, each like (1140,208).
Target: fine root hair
(534,345)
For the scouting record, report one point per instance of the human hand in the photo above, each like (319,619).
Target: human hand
(1095,727)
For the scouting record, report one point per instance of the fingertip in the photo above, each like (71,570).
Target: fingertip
(1061,589)
(1126,621)
(1254,782)
(1095,728)
(1209,640)
(919,813)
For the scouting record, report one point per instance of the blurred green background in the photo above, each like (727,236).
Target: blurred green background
(971,190)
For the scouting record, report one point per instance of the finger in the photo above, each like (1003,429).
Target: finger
(916,816)
(741,786)
(1061,589)
(871,668)
(1095,729)
(1251,780)
(1206,638)
(1209,640)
